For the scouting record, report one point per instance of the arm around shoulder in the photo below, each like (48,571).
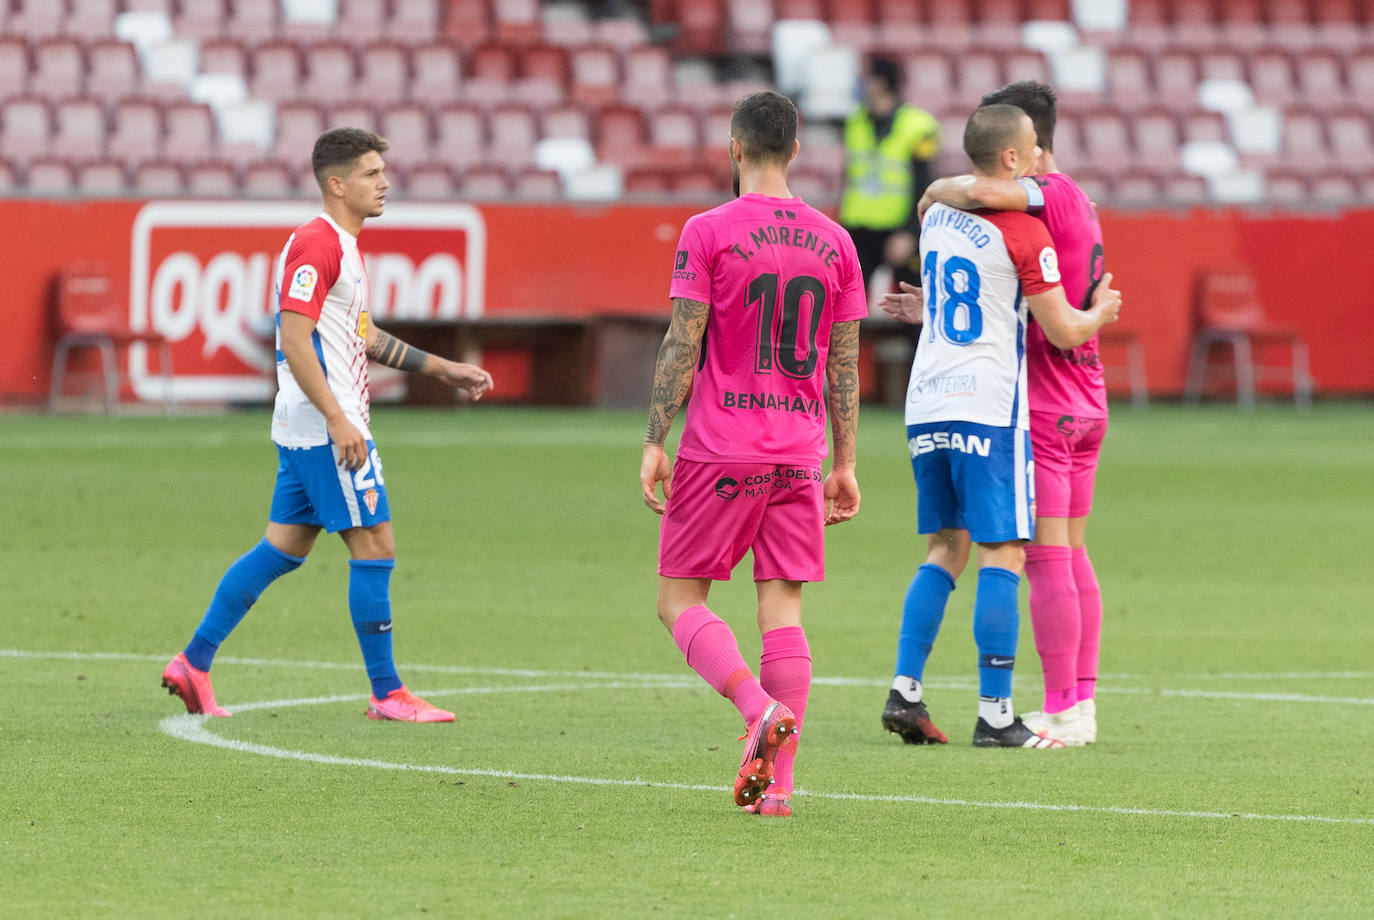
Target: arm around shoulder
(1066,327)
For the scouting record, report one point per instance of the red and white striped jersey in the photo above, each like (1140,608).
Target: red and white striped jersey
(320,274)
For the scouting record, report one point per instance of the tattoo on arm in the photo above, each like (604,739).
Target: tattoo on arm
(842,391)
(677,359)
(386,349)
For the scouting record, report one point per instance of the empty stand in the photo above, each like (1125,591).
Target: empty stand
(80,129)
(113,70)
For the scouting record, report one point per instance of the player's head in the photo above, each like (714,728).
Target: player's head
(348,166)
(1000,140)
(881,85)
(1035,99)
(763,132)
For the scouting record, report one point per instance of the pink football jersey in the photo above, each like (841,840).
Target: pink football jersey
(1069,382)
(777,274)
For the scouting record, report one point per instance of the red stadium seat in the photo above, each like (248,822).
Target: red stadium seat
(252,20)
(543,76)
(277,71)
(1287,187)
(408,129)
(1129,83)
(566,121)
(817,187)
(1108,143)
(1360,75)
(14,66)
(1304,141)
(190,133)
(80,128)
(485,182)
(976,73)
(356,114)
(537,185)
(224,55)
(851,11)
(49,175)
(1202,125)
(999,23)
(159,178)
(268,179)
(1352,146)
(384,72)
(1176,79)
(1026,65)
(702,183)
(1321,83)
(430,182)
(492,61)
(512,131)
(59,68)
(26,129)
(620,136)
(751,25)
(331,74)
(462,134)
(36,20)
(1220,64)
(89,20)
(438,73)
(363,20)
(648,76)
(1068,144)
(674,136)
(205,19)
(701,27)
(1138,191)
(136,131)
(517,22)
(621,33)
(299,123)
(1156,142)
(1054,10)
(648,181)
(595,75)
(104,177)
(900,27)
(950,25)
(1271,78)
(467,22)
(797,9)
(113,70)
(1181,189)
(416,22)
(929,80)
(211,179)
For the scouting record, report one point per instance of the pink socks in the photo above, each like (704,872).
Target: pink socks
(785,673)
(1090,616)
(710,649)
(1056,617)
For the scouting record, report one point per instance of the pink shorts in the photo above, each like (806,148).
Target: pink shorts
(1066,449)
(719,511)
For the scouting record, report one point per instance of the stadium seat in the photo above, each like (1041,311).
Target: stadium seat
(430,181)
(101,178)
(1156,142)
(59,68)
(817,187)
(566,121)
(517,22)
(976,73)
(50,175)
(90,314)
(308,21)
(901,27)
(1180,189)
(1050,10)
(1138,191)
(702,183)
(467,23)
(999,23)
(211,179)
(1026,65)
(461,134)
(408,129)
(159,178)
(621,32)
(205,19)
(1108,143)
(277,71)
(1176,79)
(543,76)
(80,128)
(299,123)
(1321,83)
(1335,189)
(190,132)
(355,114)
(595,75)
(1202,126)
(1271,79)
(486,183)
(1227,311)
(1304,140)
(384,72)
(360,20)
(252,20)
(1221,64)
(1129,84)
(512,132)
(700,27)
(112,70)
(1352,147)
(9,178)
(620,136)
(331,74)
(751,25)
(674,137)
(929,80)
(438,73)
(536,185)
(14,66)
(89,20)
(224,56)
(493,60)
(649,77)
(648,181)
(1287,188)
(267,179)
(417,21)
(36,20)
(136,131)
(26,129)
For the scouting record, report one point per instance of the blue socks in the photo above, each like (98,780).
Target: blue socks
(369,603)
(238,590)
(922,612)
(996,621)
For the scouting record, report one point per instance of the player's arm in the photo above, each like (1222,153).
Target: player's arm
(1066,327)
(386,349)
(842,405)
(298,348)
(969,193)
(677,359)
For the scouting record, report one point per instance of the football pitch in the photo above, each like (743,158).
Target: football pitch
(588,772)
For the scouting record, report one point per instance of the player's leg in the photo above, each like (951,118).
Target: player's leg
(291,533)
(1090,610)
(785,673)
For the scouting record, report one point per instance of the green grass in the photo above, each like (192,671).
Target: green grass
(1233,553)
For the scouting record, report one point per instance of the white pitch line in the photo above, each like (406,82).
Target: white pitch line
(194,729)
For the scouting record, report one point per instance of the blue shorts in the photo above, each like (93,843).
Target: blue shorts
(313,489)
(973,477)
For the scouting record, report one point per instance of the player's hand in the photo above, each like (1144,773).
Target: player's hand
(469,377)
(899,249)
(923,206)
(1107,300)
(907,306)
(841,496)
(655,468)
(350,447)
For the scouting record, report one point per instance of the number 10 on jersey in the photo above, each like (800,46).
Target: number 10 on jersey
(953,302)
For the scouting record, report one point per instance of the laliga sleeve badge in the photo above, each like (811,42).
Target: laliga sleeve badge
(303,283)
(1049,265)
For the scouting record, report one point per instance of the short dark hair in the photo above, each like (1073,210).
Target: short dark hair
(765,124)
(990,130)
(1035,99)
(885,70)
(342,147)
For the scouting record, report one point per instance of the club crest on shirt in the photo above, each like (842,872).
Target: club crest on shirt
(370,499)
(1049,265)
(303,283)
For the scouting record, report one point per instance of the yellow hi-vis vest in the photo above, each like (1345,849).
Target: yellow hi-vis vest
(878,191)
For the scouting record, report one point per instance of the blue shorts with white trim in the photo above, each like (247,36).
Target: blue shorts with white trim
(973,477)
(313,489)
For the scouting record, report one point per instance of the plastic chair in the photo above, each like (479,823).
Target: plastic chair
(88,316)
(1112,337)
(1227,311)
